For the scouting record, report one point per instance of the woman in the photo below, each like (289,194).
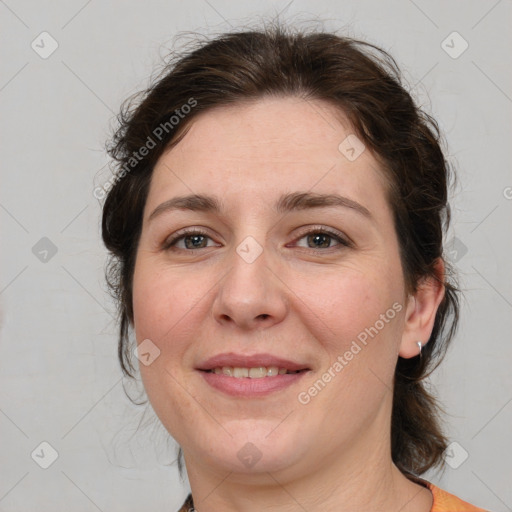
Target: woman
(276,231)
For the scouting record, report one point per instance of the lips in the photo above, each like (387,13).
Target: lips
(255,376)
(257,360)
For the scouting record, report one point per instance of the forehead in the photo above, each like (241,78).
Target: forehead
(255,151)
(285,128)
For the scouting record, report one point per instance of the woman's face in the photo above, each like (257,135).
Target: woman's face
(276,276)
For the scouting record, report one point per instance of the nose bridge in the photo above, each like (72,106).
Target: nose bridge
(250,292)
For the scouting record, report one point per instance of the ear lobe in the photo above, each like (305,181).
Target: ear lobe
(421,312)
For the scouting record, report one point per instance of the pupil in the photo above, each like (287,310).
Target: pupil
(194,239)
(320,237)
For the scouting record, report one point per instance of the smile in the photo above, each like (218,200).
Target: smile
(238,381)
(251,373)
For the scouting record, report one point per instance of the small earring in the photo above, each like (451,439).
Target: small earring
(420,346)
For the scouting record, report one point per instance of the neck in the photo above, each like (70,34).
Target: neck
(358,477)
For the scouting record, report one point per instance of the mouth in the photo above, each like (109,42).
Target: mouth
(258,372)
(254,367)
(257,375)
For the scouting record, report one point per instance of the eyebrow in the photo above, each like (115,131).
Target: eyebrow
(286,203)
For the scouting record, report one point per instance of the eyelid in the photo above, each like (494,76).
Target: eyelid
(343,240)
(183,233)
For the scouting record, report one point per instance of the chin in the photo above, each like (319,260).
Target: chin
(253,452)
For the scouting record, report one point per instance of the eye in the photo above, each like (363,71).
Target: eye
(321,238)
(316,238)
(192,238)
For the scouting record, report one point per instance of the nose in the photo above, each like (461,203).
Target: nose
(250,296)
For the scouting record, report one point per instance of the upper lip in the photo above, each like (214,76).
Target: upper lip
(254,361)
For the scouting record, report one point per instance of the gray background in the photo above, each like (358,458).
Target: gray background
(59,376)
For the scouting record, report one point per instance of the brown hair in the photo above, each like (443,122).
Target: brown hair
(364,82)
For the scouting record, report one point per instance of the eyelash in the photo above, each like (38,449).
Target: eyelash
(343,242)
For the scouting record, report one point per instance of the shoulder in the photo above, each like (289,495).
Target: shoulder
(446,502)
(443,501)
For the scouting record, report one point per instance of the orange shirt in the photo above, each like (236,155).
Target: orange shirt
(443,501)
(446,502)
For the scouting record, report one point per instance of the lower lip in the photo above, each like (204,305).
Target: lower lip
(247,387)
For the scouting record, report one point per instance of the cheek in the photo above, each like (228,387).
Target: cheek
(164,309)
(359,345)
(351,304)
(360,317)
(163,302)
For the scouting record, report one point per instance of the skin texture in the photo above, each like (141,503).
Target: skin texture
(332,453)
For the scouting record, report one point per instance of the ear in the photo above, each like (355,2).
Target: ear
(421,312)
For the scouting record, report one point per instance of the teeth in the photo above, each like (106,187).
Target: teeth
(240,372)
(256,373)
(252,373)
